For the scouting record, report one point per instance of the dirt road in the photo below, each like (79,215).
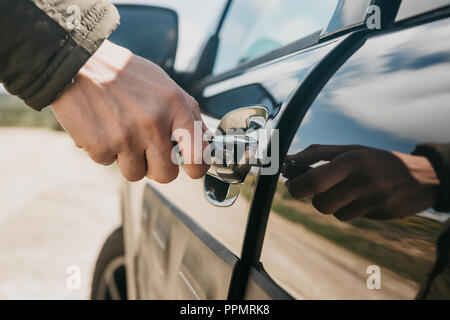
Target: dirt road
(56,209)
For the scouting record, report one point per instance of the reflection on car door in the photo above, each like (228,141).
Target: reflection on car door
(392,94)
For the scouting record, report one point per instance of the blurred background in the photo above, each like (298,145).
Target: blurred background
(57,206)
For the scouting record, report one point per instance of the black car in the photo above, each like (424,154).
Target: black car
(339,72)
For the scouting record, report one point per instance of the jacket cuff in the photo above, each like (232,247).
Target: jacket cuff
(54,41)
(97,20)
(439,157)
(87,22)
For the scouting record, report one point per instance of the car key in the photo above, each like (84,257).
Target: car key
(291,169)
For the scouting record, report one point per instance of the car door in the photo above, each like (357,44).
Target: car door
(189,243)
(392,94)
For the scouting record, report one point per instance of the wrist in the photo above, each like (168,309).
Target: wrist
(420,168)
(107,63)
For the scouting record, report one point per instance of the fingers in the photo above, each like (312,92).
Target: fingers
(188,131)
(357,208)
(336,197)
(316,152)
(363,182)
(161,168)
(103,159)
(318,180)
(132,165)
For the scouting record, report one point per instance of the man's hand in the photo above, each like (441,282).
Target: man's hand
(365,182)
(125,108)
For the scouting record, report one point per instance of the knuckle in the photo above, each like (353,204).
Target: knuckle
(150,120)
(346,167)
(158,138)
(194,103)
(365,157)
(351,157)
(124,138)
(352,161)
(100,157)
(153,123)
(175,96)
(102,151)
(100,154)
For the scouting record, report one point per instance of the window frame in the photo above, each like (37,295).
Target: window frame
(313,39)
(298,44)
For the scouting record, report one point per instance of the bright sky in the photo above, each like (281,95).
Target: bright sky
(196,20)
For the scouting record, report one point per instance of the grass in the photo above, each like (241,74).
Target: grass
(14,113)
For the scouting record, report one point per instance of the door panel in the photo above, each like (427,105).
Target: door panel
(392,94)
(176,258)
(260,286)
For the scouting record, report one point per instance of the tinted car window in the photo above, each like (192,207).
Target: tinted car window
(255,27)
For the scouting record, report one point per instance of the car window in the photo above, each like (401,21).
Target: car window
(255,27)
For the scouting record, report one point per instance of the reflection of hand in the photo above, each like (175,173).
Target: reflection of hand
(365,182)
(124,107)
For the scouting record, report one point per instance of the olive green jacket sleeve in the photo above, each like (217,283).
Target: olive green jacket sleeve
(44,43)
(439,156)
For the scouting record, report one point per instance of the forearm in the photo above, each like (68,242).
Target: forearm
(42,47)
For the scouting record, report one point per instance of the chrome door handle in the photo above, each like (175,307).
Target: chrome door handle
(235,150)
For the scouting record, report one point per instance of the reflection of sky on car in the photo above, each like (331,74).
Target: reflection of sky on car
(392,94)
(255,27)
(197,18)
